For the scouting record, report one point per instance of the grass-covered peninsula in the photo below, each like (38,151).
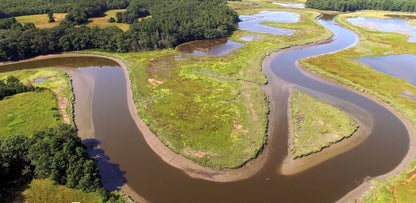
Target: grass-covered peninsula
(41,157)
(27,113)
(213,110)
(316,125)
(343,67)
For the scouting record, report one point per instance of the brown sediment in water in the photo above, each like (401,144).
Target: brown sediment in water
(357,193)
(188,166)
(291,166)
(195,170)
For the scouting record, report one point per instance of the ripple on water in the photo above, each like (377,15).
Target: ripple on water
(386,25)
(252,22)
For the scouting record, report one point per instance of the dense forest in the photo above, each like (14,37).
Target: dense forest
(168,23)
(92,8)
(57,154)
(353,5)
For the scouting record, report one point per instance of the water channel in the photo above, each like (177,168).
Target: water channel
(101,102)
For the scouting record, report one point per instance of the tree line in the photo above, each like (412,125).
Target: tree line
(11,86)
(57,154)
(92,8)
(168,24)
(353,5)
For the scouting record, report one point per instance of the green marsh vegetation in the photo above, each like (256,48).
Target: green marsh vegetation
(27,113)
(212,110)
(316,125)
(343,68)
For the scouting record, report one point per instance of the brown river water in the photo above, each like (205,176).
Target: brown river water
(124,157)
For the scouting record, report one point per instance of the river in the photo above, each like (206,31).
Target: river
(126,158)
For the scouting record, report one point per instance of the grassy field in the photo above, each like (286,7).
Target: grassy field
(41,20)
(29,112)
(212,109)
(44,190)
(316,125)
(342,67)
(103,21)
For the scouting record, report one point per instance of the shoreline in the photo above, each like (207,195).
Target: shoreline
(196,171)
(292,166)
(357,193)
(189,167)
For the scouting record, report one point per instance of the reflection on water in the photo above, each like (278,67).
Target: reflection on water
(401,66)
(386,25)
(216,47)
(290,5)
(251,37)
(59,61)
(41,80)
(252,22)
(408,94)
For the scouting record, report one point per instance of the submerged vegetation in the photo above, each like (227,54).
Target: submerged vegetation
(342,67)
(316,125)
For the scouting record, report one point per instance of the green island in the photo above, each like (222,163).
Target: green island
(342,68)
(316,125)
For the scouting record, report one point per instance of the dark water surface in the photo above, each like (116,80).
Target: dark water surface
(401,66)
(157,181)
(212,47)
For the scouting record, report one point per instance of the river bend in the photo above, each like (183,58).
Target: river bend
(126,158)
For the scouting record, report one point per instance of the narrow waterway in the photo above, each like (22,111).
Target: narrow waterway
(130,160)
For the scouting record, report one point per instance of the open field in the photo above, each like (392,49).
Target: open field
(103,21)
(342,67)
(44,190)
(29,112)
(41,20)
(212,109)
(316,125)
